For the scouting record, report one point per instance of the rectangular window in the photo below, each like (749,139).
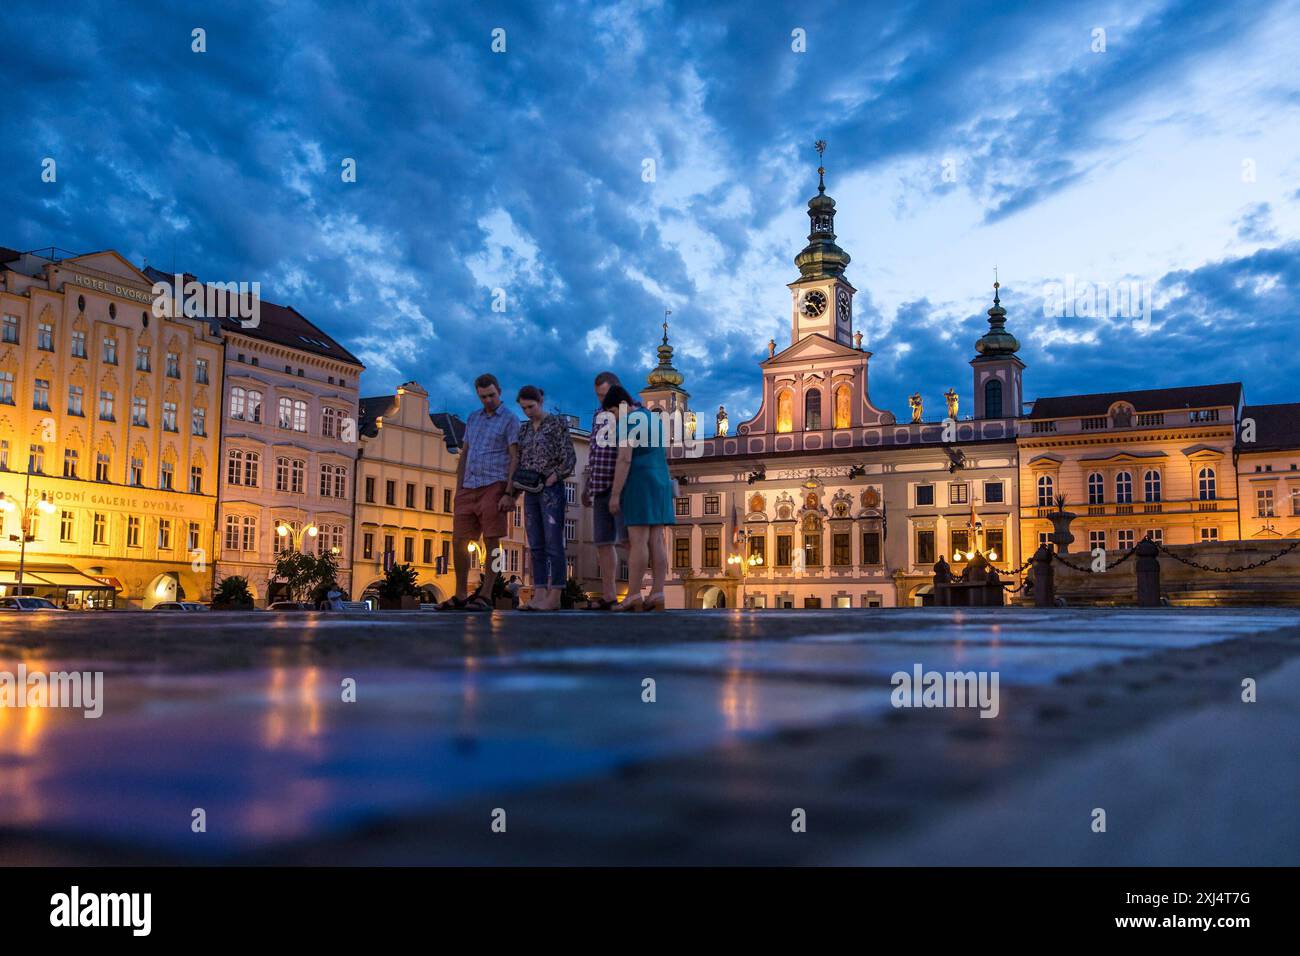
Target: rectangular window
(136,474)
(66,530)
(133,531)
(682,507)
(1264,503)
(924,496)
(428,499)
(106,407)
(959,538)
(76,400)
(390,492)
(1209,534)
(428,551)
(681,552)
(871,547)
(173,365)
(812,550)
(368,546)
(712,504)
(41,394)
(994,543)
(78,344)
(201,371)
(192,536)
(758,549)
(957,493)
(45,337)
(102,465)
(36,459)
(1096,539)
(410,495)
(712,552)
(108,354)
(1157,535)
(140,411)
(993,492)
(1125,539)
(164,534)
(784,550)
(165,475)
(11,329)
(925,547)
(6,388)
(570,529)
(408,550)
(446,500)
(142,358)
(841,550)
(370,490)
(70,456)
(199,421)
(169,416)
(100,526)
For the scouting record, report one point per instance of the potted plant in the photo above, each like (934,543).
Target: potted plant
(572,595)
(399,591)
(232,594)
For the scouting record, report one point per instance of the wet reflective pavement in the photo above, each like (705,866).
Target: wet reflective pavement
(542,716)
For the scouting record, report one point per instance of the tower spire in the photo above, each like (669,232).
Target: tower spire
(821,258)
(664,373)
(997,340)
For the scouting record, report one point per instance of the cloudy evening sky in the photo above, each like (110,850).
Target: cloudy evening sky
(961,136)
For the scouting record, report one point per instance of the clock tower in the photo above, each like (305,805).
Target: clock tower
(822,299)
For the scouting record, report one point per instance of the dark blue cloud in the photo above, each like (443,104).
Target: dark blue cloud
(226,163)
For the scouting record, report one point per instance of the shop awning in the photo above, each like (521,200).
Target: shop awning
(53,575)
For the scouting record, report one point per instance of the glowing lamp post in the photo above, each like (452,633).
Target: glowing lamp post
(30,507)
(296,537)
(736,560)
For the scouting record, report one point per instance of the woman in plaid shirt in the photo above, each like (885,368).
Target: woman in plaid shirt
(546,447)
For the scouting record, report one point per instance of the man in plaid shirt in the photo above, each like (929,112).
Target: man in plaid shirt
(597,481)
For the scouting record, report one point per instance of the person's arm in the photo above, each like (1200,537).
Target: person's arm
(460,464)
(621,466)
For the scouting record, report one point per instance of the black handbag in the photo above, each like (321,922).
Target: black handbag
(526,479)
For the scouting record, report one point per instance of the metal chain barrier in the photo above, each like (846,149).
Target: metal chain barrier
(1245,567)
(1088,570)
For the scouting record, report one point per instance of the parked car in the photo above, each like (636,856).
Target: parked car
(27,604)
(180,606)
(291,606)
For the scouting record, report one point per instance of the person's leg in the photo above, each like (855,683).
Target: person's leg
(553,506)
(535,528)
(493,522)
(637,553)
(658,559)
(489,576)
(464,529)
(607,555)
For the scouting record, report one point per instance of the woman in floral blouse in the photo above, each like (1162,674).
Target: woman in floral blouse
(545,447)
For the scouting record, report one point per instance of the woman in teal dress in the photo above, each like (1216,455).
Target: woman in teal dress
(643,494)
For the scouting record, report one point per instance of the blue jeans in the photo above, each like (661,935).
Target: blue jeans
(544,522)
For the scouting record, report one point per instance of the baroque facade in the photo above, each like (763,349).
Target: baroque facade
(108,435)
(823,499)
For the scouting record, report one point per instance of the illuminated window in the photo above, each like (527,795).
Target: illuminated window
(785,411)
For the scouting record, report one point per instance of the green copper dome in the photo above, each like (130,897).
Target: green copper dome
(664,375)
(997,340)
(821,258)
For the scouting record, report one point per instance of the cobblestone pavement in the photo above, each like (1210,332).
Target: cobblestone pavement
(756,714)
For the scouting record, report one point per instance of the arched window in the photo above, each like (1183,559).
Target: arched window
(843,405)
(1046,487)
(1096,489)
(785,411)
(1124,488)
(1151,484)
(993,398)
(238,400)
(1206,482)
(812,410)
(254,406)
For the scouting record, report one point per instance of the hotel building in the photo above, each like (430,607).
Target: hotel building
(823,499)
(288,446)
(108,435)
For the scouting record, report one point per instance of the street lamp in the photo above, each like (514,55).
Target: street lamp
(285,530)
(753,561)
(30,507)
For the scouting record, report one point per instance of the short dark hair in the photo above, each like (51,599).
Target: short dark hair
(487,380)
(616,396)
(529,393)
(607,378)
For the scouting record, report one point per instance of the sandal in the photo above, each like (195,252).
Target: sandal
(634,604)
(655,602)
(453,603)
(601,605)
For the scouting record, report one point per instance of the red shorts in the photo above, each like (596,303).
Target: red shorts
(477,512)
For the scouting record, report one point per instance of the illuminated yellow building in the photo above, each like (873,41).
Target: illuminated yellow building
(108,435)
(1155,462)
(1268,472)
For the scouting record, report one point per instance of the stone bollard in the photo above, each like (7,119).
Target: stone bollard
(1148,573)
(1044,589)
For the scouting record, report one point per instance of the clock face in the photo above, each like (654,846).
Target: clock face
(844,307)
(814,303)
